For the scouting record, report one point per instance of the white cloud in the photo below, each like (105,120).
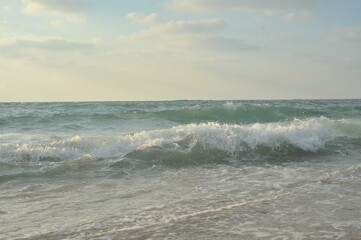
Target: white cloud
(347,35)
(68,9)
(266,6)
(178,28)
(217,43)
(141,18)
(20,46)
(290,16)
(296,16)
(186,27)
(57,23)
(5,24)
(184,36)
(6,9)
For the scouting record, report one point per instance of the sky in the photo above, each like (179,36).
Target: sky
(128,50)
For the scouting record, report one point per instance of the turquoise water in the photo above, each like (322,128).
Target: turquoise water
(181,170)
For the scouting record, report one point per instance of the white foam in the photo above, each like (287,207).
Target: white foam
(230,106)
(309,135)
(233,106)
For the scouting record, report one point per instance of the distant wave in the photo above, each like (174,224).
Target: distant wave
(237,112)
(231,112)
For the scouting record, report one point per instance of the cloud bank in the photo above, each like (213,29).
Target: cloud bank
(347,35)
(5,24)
(192,35)
(20,46)
(68,9)
(141,18)
(241,5)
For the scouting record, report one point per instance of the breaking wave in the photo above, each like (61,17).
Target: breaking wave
(199,143)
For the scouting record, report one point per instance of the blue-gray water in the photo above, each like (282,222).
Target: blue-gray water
(181,170)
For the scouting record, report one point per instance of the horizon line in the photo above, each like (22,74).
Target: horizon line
(177,100)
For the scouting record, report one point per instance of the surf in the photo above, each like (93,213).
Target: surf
(310,135)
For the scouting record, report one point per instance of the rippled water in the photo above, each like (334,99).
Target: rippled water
(181,170)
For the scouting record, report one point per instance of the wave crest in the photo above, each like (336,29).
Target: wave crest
(203,139)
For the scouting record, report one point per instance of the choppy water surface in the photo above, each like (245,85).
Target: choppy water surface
(181,170)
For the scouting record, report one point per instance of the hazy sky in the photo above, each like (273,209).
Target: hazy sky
(81,50)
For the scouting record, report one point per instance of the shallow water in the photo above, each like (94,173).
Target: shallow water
(181,170)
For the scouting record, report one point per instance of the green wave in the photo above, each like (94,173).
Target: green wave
(238,114)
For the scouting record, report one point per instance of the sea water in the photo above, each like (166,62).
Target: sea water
(181,170)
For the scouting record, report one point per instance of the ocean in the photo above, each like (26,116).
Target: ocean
(287,169)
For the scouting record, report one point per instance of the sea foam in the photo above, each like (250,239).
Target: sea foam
(308,135)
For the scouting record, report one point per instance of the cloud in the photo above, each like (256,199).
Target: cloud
(20,46)
(298,16)
(141,18)
(68,9)
(217,43)
(347,35)
(6,9)
(57,23)
(187,27)
(241,5)
(5,24)
(179,28)
(184,36)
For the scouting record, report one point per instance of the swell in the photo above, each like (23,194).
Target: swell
(183,112)
(230,112)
